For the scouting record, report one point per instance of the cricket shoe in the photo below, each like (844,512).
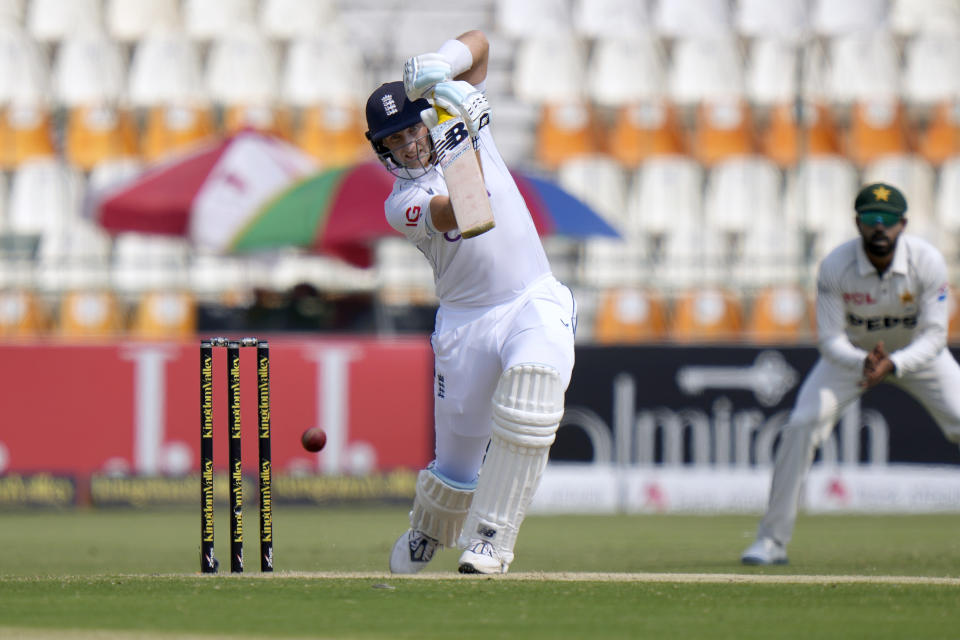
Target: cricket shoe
(481,557)
(765,551)
(412,551)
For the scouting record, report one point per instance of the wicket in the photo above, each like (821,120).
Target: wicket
(208,562)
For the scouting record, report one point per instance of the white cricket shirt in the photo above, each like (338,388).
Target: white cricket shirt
(485,270)
(906,307)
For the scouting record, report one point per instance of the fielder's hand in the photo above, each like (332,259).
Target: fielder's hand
(463,99)
(876,366)
(422,72)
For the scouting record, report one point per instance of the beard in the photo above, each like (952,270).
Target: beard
(879,244)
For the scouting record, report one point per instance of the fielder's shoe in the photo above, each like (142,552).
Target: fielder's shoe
(765,551)
(481,557)
(412,551)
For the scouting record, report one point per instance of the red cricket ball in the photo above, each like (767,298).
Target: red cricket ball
(314,439)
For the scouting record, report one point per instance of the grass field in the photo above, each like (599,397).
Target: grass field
(119,574)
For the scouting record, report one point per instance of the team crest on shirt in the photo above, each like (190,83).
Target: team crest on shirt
(906,297)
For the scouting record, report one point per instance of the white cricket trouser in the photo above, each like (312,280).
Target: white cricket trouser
(824,396)
(473,347)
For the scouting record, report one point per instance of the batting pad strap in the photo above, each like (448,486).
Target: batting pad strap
(440,506)
(458,55)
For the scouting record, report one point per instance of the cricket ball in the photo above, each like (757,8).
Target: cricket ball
(314,439)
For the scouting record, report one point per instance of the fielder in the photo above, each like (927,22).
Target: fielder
(504,334)
(881,317)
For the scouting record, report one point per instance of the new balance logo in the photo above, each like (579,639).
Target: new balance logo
(487,532)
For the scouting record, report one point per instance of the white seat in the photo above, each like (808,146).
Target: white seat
(772,253)
(165,69)
(600,182)
(602,19)
(53,20)
(289,19)
(704,69)
(212,275)
(614,262)
(831,18)
(11,12)
(913,17)
(322,68)
(89,69)
(431,19)
(242,68)
(915,178)
(109,175)
(549,69)
(742,191)
(144,262)
(771,71)
(325,273)
(666,193)
(864,66)
(785,20)
(624,69)
(532,17)
(45,196)
(930,68)
(693,18)
(402,274)
(23,67)
(129,21)
(207,20)
(947,211)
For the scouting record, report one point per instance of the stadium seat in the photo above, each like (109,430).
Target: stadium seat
(204,20)
(323,68)
(947,211)
(165,69)
(626,69)
(267,118)
(830,18)
(704,69)
(785,21)
(600,182)
(779,315)
(770,252)
(89,68)
(740,192)
(706,314)
(242,68)
(864,66)
(45,197)
(722,129)
(930,61)
(534,17)
(613,262)
(23,314)
(403,276)
(169,129)
(909,18)
(95,134)
(290,19)
(49,21)
(781,141)
(130,21)
(642,130)
(144,263)
(603,19)
(878,127)
(940,138)
(333,134)
(11,12)
(770,74)
(692,18)
(630,315)
(26,133)
(550,69)
(90,314)
(164,315)
(665,194)
(567,130)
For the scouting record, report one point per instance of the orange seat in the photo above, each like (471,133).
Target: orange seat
(780,140)
(722,129)
(25,132)
(264,118)
(706,314)
(98,133)
(22,314)
(941,138)
(170,128)
(90,314)
(780,314)
(630,316)
(164,315)
(333,134)
(877,128)
(642,130)
(566,130)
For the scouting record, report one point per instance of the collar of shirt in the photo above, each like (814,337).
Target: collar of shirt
(899,264)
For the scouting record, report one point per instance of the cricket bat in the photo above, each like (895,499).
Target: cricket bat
(461,170)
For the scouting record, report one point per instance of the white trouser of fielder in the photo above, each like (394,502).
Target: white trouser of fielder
(825,394)
(473,347)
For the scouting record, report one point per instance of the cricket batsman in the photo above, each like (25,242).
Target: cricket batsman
(881,317)
(504,333)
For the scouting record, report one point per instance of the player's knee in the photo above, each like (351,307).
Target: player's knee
(528,405)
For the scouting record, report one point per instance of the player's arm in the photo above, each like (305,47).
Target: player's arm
(832,339)
(932,319)
(441,214)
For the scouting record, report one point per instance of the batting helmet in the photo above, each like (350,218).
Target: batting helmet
(389,111)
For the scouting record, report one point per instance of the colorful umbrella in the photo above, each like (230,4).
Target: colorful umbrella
(556,211)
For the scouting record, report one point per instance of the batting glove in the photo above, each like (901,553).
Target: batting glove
(422,72)
(463,99)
